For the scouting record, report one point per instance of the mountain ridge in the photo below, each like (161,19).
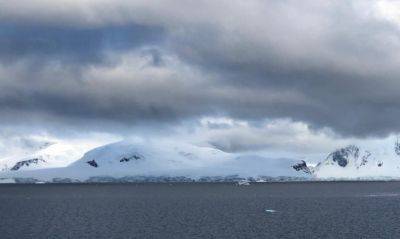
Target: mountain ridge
(145,161)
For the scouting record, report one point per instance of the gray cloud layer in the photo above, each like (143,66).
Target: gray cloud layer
(328,64)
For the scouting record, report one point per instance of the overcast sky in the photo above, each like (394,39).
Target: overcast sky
(301,76)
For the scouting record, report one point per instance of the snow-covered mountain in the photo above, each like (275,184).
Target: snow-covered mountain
(50,155)
(154,159)
(126,158)
(23,153)
(353,163)
(32,153)
(61,161)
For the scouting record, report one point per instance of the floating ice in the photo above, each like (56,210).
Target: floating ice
(270,210)
(243,183)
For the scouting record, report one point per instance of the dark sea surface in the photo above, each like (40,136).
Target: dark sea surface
(195,210)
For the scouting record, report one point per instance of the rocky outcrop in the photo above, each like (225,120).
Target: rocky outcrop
(302,166)
(397,147)
(26,163)
(342,156)
(93,163)
(127,159)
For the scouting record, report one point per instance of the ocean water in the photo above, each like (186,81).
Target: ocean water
(272,210)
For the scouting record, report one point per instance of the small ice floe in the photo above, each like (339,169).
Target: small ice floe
(270,210)
(243,183)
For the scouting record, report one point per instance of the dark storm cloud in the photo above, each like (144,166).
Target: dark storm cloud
(71,45)
(349,71)
(328,64)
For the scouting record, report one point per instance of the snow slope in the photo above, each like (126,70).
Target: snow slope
(32,153)
(125,158)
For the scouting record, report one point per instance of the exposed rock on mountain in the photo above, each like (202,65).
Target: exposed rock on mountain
(344,155)
(26,163)
(397,147)
(93,163)
(133,157)
(302,167)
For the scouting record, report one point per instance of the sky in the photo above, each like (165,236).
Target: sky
(287,78)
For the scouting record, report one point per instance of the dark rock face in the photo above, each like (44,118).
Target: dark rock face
(364,159)
(302,167)
(127,159)
(397,147)
(92,163)
(341,156)
(26,163)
